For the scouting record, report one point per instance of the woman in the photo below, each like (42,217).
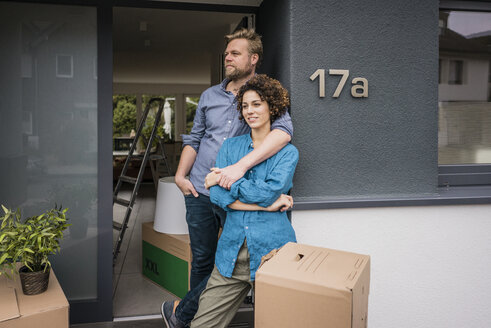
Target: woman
(256,222)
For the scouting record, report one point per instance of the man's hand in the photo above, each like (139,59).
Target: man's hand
(186,186)
(211,178)
(283,203)
(228,175)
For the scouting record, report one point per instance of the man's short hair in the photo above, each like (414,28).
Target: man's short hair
(254,40)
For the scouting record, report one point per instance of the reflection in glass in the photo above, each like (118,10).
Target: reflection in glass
(464,91)
(455,74)
(48,127)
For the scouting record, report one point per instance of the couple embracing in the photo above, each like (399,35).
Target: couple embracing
(240,167)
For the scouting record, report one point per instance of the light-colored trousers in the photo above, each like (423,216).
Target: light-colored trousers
(223,296)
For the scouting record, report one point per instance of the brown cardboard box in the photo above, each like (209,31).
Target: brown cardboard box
(166,259)
(46,310)
(306,286)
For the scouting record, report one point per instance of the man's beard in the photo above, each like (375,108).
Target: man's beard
(238,73)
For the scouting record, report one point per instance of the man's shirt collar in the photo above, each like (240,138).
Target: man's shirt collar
(224,83)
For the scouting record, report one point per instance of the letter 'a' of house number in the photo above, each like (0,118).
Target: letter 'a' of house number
(357,90)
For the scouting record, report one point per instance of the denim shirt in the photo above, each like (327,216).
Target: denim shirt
(217,119)
(261,185)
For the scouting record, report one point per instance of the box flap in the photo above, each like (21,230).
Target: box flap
(177,245)
(9,308)
(360,267)
(12,299)
(320,266)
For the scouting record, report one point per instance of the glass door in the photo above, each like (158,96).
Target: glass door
(49,131)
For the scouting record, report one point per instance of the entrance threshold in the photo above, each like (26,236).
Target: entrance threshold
(138,318)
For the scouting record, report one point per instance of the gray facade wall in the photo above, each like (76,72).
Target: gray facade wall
(381,146)
(273,23)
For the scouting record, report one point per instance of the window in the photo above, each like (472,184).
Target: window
(439,71)
(167,124)
(124,115)
(124,121)
(64,66)
(464,134)
(455,72)
(49,128)
(191,105)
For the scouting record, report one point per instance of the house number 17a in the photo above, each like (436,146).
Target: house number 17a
(359,87)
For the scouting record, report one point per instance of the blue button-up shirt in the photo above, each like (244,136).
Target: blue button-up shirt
(217,119)
(261,185)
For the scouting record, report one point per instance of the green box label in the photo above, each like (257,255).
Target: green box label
(165,269)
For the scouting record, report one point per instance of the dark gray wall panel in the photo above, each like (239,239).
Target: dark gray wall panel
(379,146)
(273,23)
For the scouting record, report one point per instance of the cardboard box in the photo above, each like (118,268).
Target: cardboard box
(166,259)
(306,286)
(45,310)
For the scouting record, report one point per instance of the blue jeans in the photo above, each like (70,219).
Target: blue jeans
(204,221)
(188,306)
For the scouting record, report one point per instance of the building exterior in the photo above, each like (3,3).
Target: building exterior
(374,177)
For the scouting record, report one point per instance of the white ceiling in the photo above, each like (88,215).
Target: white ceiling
(171,30)
(184,46)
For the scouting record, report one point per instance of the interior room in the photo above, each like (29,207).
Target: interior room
(173,54)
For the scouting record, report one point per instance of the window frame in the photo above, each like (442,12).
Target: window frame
(464,174)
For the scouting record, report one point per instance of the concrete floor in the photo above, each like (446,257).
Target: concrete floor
(134,294)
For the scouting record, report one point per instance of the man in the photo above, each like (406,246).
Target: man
(217,119)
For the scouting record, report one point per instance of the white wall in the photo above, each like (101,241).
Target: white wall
(430,265)
(157,67)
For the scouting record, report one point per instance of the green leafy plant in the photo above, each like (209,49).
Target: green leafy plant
(147,131)
(30,242)
(124,115)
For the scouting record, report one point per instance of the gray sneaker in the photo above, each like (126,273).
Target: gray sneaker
(167,312)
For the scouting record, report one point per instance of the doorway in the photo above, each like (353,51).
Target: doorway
(175,54)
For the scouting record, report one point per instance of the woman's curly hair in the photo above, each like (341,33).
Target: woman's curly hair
(269,90)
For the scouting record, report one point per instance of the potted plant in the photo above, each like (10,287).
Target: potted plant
(30,243)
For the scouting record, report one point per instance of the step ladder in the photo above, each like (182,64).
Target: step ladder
(123,178)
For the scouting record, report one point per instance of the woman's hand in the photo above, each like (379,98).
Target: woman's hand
(211,178)
(283,203)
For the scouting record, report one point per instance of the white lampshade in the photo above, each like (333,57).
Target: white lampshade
(170,209)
